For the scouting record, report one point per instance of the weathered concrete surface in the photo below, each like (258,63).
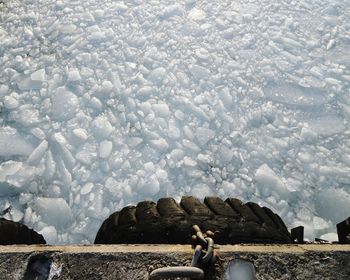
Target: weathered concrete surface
(137,261)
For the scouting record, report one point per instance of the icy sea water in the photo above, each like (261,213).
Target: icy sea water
(107,103)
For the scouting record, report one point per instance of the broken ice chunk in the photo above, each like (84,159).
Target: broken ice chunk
(64,104)
(106,87)
(13,144)
(65,175)
(16,215)
(158,75)
(10,102)
(96,103)
(199,72)
(327,125)
(267,180)
(225,154)
(101,127)
(159,144)
(50,234)
(203,135)
(197,14)
(226,97)
(86,153)
(53,211)
(96,37)
(80,134)
(162,110)
(73,75)
(189,162)
(134,141)
(38,133)
(3,90)
(38,75)
(9,168)
(190,145)
(116,188)
(23,176)
(105,149)
(34,81)
(120,7)
(67,29)
(26,115)
(60,146)
(176,154)
(87,188)
(333,204)
(50,166)
(151,186)
(38,153)
(171,11)
(173,130)
(24,198)
(294,95)
(331,237)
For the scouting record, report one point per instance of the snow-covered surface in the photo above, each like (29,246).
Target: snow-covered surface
(106,103)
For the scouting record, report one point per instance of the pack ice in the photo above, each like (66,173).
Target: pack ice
(106,103)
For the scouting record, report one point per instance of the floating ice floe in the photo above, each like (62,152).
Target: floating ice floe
(106,103)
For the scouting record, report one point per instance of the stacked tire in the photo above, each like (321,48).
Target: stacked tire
(17,233)
(169,222)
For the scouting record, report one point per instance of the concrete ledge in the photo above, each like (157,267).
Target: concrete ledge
(166,248)
(137,261)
